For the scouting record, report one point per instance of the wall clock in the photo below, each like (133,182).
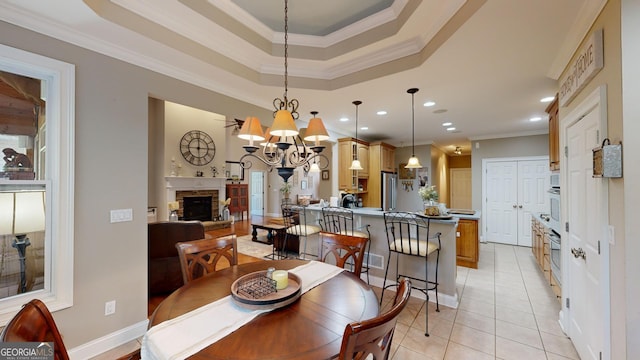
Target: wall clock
(197,147)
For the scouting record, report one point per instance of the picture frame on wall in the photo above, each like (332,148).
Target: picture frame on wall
(406,174)
(325,175)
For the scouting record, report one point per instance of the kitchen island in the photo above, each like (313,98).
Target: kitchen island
(408,265)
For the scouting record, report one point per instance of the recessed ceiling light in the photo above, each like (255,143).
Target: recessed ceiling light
(450,128)
(344,119)
(429,103)
(447,123)
(535,118)
(547,99)
(364,128)
(381,112)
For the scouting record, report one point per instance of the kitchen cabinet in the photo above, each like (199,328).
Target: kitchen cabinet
(350,180)
(239,194)
(381,158)
(541,249)
(467,248)
(554,138)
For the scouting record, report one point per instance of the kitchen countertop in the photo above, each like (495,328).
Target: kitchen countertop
(371,211)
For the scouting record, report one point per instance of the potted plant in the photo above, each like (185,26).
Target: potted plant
(429,196)
(285,189)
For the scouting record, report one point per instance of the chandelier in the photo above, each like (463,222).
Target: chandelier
(284,147)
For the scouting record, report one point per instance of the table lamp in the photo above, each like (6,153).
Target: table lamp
(21,212)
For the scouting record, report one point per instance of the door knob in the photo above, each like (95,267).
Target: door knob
(520,206)
(579,253)
(515,206)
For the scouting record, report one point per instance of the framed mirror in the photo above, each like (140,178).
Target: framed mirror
(233,171)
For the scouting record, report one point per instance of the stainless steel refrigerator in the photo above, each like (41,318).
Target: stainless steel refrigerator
(389,191)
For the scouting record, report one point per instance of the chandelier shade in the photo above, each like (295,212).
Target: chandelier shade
(283,124)
(414,162)
(251,130)
(316,131)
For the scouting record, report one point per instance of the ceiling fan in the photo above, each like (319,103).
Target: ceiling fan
(236,124)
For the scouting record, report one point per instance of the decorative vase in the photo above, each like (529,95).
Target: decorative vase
(225,214)
(431,208)
(173,216)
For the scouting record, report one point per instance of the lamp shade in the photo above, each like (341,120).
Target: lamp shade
(413,163)
(355,165)
(316,131)
(283,124)
(251,129)
(21,212)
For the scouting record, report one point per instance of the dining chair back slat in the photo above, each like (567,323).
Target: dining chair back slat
(204,256)
(343,250)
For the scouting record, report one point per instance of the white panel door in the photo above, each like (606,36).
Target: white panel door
(257,193)
(502,202)
(533,183)
(585,229)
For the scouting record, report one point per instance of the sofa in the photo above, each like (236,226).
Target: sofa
(164,273)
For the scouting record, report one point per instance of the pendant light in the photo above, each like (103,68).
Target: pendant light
(413,162)
(355,165)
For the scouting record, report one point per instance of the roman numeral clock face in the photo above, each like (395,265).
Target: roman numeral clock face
(197,147)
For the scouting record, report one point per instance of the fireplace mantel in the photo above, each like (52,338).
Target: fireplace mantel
(183,183)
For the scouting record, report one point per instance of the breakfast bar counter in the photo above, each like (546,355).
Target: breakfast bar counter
(408,265)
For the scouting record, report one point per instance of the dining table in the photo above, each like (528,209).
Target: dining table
(311,327)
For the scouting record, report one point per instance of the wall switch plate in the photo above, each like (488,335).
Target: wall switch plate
(110,308)
(121,215)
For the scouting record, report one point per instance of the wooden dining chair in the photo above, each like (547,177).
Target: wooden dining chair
(201,257)
(343,250)
(340,220)
(374,336)
(34,323)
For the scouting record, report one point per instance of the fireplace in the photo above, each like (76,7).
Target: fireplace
(179,188)
(197,208)
(188,199)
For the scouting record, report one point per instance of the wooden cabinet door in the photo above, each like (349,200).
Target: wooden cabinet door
(363,156)
(345,157)
(554,138)
(388,159)
(467,250)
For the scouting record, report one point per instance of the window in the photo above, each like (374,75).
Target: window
(50,153)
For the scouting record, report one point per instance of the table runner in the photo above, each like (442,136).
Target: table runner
(189,333)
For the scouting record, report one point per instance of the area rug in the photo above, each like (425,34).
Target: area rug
(252,248)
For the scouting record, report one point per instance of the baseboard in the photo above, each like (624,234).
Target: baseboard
(451,301)
(109,341)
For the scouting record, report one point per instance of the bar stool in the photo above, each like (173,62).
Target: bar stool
(295,219)
(339,220)
(408,234)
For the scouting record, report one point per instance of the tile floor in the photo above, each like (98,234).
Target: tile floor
(506,311)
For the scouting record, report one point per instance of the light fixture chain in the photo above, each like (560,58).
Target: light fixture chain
(286,49)
(413,126)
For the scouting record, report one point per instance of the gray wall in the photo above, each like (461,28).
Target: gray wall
(111,172)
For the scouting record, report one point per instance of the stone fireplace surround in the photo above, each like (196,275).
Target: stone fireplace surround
(178,187)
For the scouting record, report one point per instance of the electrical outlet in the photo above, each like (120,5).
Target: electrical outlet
(110,307)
